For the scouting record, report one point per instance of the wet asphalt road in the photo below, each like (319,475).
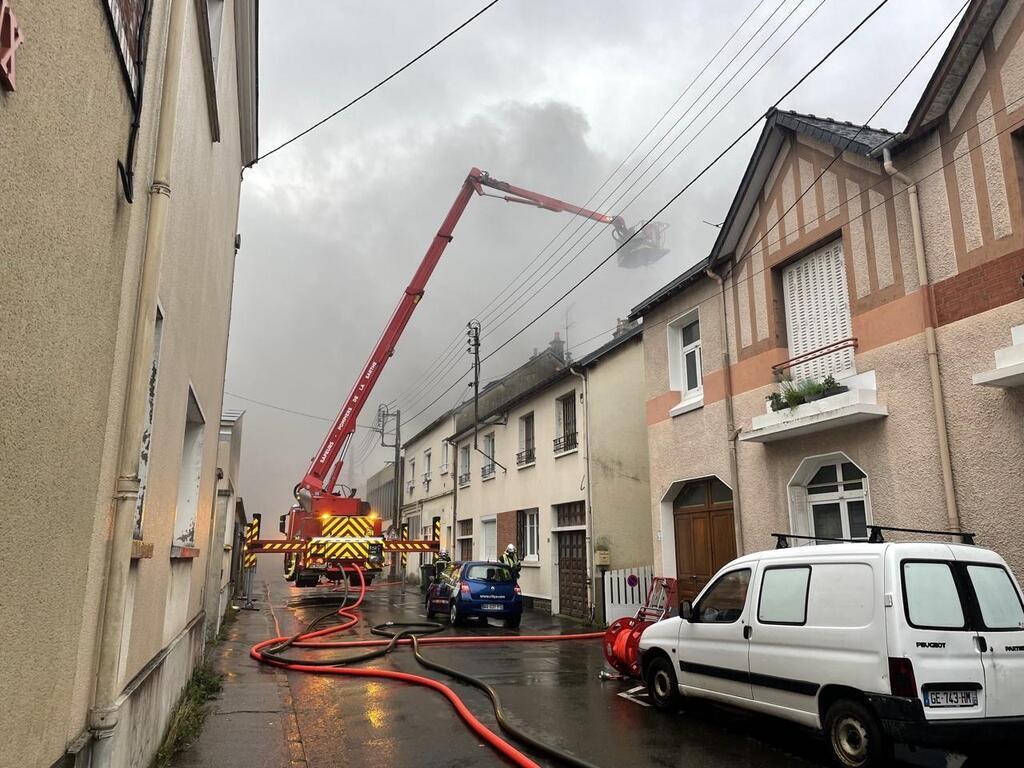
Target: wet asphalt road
(552,690)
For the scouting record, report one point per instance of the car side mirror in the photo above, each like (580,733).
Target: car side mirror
(686,610)
(283,525)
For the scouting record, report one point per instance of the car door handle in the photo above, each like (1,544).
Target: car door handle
(982,643)
(747,632)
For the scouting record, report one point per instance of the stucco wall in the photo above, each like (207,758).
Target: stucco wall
(195,294)
(619,472)
(70,249)
(62,248)
(550,480)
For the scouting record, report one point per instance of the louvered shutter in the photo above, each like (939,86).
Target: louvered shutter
(818,311)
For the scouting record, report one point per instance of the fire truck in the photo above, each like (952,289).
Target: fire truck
(329,528)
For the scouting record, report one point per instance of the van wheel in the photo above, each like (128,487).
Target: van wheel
(855,736)
(662,686)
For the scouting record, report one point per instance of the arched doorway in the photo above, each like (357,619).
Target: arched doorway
(705,533)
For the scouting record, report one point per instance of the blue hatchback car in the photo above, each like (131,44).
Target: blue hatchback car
(476,588)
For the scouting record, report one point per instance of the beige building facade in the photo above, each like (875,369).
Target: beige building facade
(559,470)
(428,488)
(115,295)
(869,285)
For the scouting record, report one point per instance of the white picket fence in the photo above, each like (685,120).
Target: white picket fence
(625,591)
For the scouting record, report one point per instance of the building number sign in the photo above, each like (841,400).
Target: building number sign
(11,37)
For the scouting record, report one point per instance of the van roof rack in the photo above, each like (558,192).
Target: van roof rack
(782,539)
(876,536)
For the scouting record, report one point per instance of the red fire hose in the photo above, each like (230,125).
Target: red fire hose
(265,652)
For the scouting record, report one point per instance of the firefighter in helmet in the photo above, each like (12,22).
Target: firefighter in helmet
(511,558)
(442,563)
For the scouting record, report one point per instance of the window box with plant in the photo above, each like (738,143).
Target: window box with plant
(792,394)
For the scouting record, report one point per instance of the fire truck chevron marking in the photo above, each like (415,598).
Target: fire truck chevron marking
(347,526)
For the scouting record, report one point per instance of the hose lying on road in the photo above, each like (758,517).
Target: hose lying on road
(409,633)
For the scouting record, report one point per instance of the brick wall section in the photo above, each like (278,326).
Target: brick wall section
(981,288)
(506,530)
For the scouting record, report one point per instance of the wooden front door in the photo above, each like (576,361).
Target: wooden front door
(705,533)
(572,573)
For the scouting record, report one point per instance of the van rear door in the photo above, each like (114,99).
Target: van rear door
(937,636)
(999,619)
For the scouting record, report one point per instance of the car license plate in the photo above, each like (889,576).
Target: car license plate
(952,698)
(492,607)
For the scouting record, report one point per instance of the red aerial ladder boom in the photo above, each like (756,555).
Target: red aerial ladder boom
(327,531)
(331,452)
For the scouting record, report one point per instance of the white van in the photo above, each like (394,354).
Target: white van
(921,643)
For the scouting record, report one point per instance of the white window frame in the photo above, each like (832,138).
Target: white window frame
(802,503)
(465,466)
(488,451)
(531,548)
(444,457)
(691,393)
(560,421)
(426,466)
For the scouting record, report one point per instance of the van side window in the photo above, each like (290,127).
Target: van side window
(997,597)
(784,594)
(723,602)
(931,597)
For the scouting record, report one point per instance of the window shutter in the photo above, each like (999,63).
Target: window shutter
(520,531)
(818,311)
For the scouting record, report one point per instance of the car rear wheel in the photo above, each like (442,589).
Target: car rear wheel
(513,622)
(855,736)
(430,611)
(662,686)
(454,616)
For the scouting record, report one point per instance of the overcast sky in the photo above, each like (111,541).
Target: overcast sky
(549,95)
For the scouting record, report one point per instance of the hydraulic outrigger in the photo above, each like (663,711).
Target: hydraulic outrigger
(328,530)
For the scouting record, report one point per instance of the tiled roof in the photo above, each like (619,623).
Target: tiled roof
(862,139)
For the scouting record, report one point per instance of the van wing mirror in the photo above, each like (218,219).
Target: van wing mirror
(283,525)
(686,610)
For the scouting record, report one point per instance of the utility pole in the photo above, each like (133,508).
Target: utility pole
(473,339)
(383,415)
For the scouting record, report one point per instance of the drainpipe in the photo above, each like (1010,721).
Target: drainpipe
(590,509)
(105,710)
(931,348)
(730,419)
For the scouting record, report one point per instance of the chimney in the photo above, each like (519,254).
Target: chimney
(557,347)
(623,326)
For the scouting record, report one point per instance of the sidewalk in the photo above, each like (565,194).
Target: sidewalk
(252,721)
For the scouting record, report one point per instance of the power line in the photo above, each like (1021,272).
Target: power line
(447,359)
(639,228)
(370,90)
(696,178)
(287,410)
(512,310)
(953,138)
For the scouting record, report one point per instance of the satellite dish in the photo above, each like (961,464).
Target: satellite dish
(646,247)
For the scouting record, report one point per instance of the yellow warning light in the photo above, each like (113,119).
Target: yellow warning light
(325,516)
(373,514)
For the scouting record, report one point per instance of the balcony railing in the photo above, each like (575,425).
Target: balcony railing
(426,478)
(410,487)
(566,442)
(779,369)
(444,469)
(527,456)
(486,471)
(464,478)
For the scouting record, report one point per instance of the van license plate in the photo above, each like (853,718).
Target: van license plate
(955,698)
(492,607)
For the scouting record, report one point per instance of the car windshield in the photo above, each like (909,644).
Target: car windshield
(488,572)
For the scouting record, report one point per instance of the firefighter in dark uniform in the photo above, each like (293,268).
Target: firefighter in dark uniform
(442,564)
(511,558)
